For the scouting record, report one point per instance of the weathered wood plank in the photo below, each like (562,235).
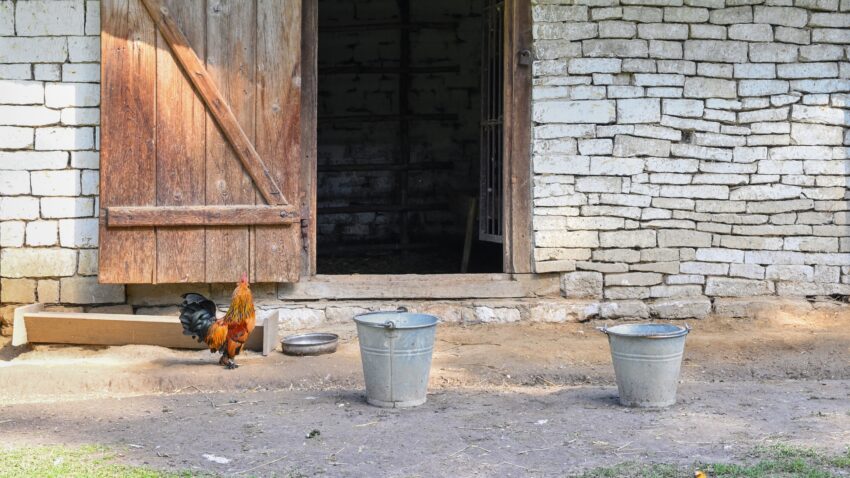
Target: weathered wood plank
(181,144)
(517,242)
(231,33)
(170,216)
(520,205)
(206,85)
(19,327)
(277,251)
(309,128)
(437,286)
(508,60)
(128,144)
(116,329)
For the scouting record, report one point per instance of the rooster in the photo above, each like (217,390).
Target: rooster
(227,334)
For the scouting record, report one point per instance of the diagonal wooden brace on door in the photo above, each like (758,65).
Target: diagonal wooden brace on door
(215,102)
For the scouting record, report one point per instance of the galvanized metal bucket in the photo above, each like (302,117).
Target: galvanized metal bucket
(396,349)
(647,360)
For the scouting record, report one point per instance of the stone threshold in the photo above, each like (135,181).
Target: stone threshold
(311,314)
(305,314)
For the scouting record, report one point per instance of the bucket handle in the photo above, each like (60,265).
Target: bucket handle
(400,309)
(390,324)
(604,328)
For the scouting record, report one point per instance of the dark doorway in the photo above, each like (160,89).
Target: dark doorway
(409,137)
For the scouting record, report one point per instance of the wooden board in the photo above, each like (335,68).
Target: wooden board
(518,247)
(19,329)
(78,328)
(128,140)
(309,131)
(437,286)
(279,131)
(522,235)
(220,125)
(181,126)
(201,216)
(230,49)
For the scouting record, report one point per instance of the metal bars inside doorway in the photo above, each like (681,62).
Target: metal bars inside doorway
(490,223)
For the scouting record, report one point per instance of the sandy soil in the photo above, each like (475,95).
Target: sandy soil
(506,400)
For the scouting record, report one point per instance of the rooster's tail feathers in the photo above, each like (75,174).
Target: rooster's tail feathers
(197,314)
(195,299)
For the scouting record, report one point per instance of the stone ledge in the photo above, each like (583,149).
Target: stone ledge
(310,314)
(758,307)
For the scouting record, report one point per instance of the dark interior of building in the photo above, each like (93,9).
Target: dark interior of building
(409,137)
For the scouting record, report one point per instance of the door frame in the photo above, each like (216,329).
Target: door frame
(517,183)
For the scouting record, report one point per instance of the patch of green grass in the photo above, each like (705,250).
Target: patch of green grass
(635,470)
(777,461)
(780,461)
(86,461)
(842,461)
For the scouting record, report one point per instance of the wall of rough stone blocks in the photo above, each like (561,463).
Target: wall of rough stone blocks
(692,149)
(49,116)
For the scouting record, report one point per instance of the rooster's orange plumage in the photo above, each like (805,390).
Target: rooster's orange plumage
(227,334)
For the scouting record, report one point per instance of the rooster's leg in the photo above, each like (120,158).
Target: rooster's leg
(231,350)
(227,362)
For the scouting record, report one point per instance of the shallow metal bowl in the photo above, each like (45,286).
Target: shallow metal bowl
(310,344)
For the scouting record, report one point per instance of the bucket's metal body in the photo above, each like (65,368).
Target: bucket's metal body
(396,349)
(647,360)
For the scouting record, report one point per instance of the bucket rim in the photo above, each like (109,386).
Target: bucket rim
(678,331)
(360,319)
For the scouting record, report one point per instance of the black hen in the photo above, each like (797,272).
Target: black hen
(197,314)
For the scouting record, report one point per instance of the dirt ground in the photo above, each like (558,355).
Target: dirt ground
(505,400)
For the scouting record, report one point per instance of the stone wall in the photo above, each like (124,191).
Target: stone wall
(692,148)
(49,98)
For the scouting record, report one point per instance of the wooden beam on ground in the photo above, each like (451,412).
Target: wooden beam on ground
(219,108)
(19,330)
(178,216)
(436,286)
(35,326)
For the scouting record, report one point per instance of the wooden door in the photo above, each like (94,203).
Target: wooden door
(201,141)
